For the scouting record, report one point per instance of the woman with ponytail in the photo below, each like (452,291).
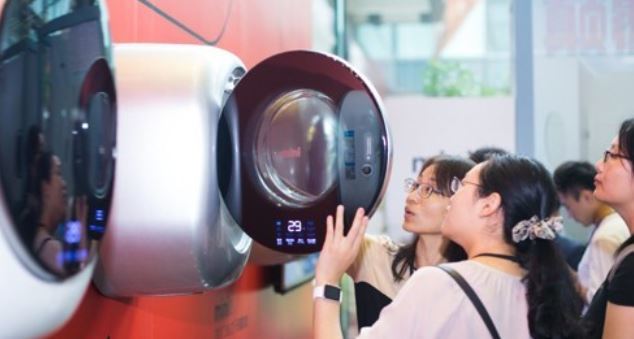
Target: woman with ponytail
(515,283)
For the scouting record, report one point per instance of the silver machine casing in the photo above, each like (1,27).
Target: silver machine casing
(168,232)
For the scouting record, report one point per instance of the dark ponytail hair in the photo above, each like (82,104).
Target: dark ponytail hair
(447,167)
(527,190)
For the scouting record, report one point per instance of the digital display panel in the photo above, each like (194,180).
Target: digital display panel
(295,232)
(349,156)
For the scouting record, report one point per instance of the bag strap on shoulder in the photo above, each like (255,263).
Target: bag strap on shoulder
(619,258)
(475,300)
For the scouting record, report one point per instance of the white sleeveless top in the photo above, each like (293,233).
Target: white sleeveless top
(432,305)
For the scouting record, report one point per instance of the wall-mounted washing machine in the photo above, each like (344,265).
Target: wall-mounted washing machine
(57,152)
(301,133)
(166,234)
(212,156)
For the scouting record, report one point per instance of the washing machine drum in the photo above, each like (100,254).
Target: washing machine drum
(57,145)
(301,133)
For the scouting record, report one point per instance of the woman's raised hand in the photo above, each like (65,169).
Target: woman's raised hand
(339,250)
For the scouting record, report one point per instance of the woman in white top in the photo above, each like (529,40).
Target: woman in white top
(500,214)
(382,267)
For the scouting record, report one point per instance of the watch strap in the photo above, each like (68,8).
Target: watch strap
(327,291)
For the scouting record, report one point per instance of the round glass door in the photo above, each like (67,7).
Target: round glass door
(301,133)
(295,151)
(57,132)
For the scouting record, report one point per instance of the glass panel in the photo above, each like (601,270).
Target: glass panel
(296,147)
(433,47)
(57,130)
(583,79)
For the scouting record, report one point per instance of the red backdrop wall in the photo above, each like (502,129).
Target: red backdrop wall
(254,30)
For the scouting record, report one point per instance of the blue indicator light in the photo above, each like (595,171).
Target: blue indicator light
(97,228)
(72,256)
(73,232)
(69,256)
(99,215)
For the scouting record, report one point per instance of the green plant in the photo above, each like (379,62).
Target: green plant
(443,78)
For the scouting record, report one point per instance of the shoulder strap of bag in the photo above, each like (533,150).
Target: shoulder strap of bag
(474,299)
(619,258)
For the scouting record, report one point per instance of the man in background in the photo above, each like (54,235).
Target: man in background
(574,181)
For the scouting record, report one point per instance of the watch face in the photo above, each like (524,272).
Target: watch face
(332,292)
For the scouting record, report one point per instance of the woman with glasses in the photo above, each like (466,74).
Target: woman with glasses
(382,267)
(515,283)
(611,312)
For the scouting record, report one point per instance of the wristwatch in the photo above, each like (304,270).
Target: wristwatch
(327,291)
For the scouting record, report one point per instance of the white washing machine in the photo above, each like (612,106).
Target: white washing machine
(57,150)
(211,156)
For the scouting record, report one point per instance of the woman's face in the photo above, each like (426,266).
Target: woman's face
(462,215)
(614,183)
(424,215)
(54,191)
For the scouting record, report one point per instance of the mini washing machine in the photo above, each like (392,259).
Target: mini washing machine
(301,133)
(167,233)
(212,158)
(57,154)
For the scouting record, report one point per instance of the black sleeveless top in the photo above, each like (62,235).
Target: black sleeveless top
(370,301)
(617,289)
(375,285)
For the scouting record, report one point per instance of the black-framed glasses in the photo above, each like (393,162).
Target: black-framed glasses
(613,155)
(423,190)
(456,183)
